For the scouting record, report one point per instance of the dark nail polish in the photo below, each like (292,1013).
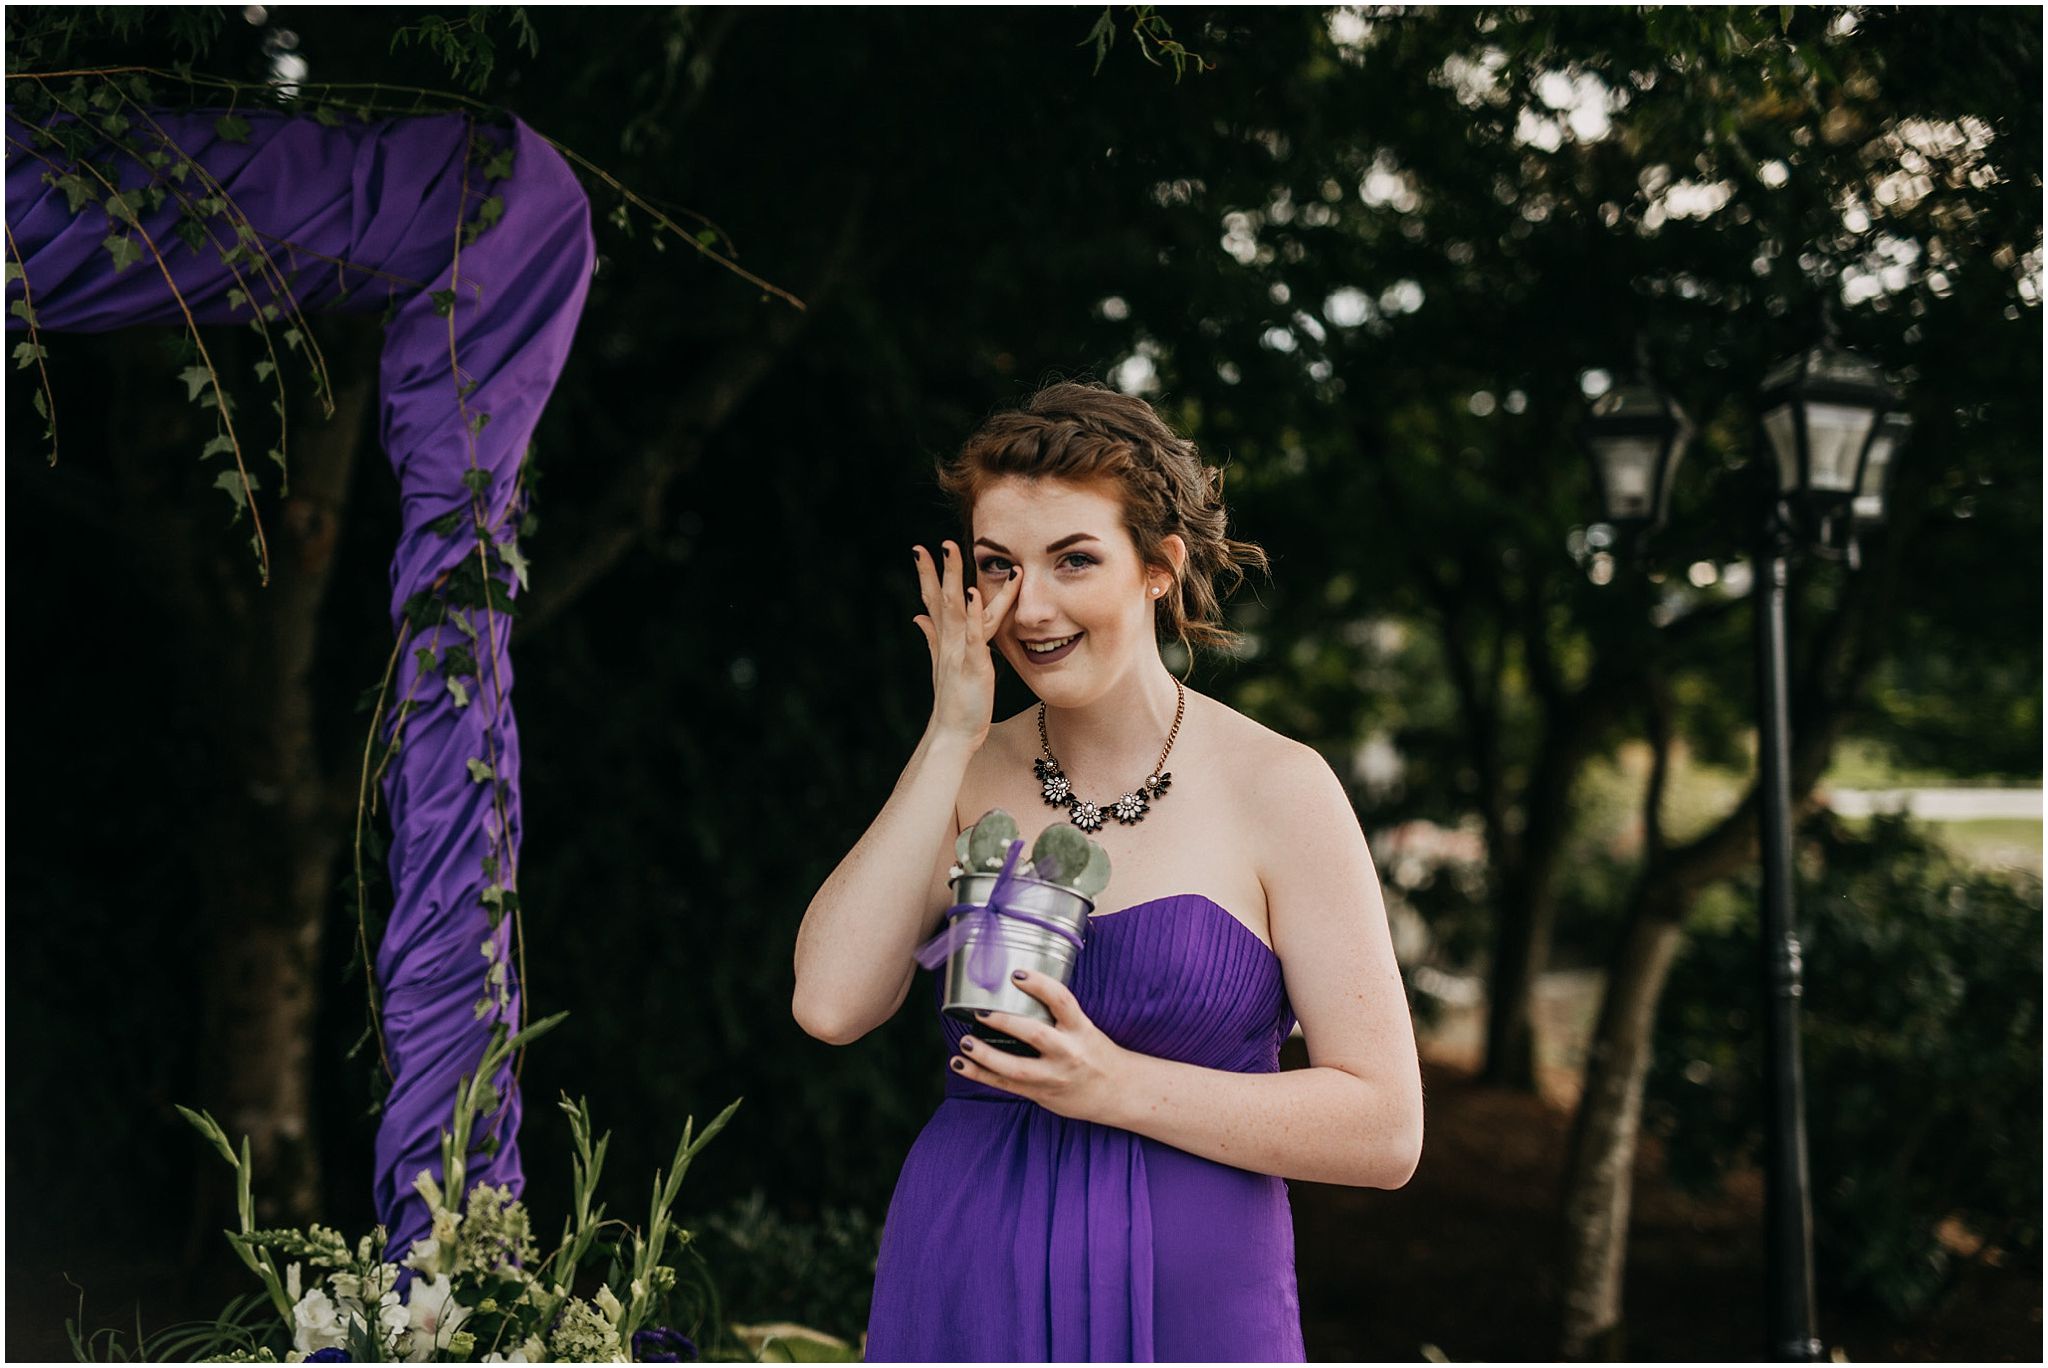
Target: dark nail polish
(1018,975)
(967,1044)
(959,1064)
(981,1013)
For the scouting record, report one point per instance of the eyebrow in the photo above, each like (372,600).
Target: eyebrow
(1065,541)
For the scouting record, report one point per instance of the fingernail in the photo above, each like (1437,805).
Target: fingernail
(966,1043)
(1020,975)
(959,1064)
(981,1013)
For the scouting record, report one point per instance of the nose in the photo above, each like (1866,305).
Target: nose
(1034,609)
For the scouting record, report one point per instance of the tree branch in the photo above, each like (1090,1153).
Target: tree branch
(633,506)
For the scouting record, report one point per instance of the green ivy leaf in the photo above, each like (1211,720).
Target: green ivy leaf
(124,249)
(21,310)
(425,656)
(222,445)
(450,525)
(509,553)
(231,481)
(500,166)
(292,338)
(121,206)
(193,233)
(232,128)
(10,270)
(237,298)
(461,694)
(444,302)
(478,422)
(477,481)
(327,114)
(264,368)
(196,378)
(26,354)
(79,191)
(478,770)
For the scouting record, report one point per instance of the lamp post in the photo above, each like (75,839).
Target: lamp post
(1833,425)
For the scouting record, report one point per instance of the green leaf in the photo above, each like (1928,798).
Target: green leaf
(10,270)
(509,553)
(124,249)
(192,232)
(21,310)
(427,660)
(450,525)
(121,206)
(444,301)
(500,166)
(292,338)
(237,298)
(326,114)
(264,368)
(220,446)
(455,687)
(196,378)
(27,354)
(232,128)
(478,770)
(42,405)
(231,481)
(79,191)
(477,481)
(478,421)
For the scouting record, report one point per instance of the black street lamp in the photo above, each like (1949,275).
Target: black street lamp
(1634,434)
(1834,425)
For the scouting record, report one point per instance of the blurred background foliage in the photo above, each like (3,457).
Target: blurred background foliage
(1365,258)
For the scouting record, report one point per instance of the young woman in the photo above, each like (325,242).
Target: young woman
(1122,1196)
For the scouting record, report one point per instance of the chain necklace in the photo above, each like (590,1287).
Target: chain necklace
(1129,809)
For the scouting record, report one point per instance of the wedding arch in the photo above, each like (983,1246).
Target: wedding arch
(473,237)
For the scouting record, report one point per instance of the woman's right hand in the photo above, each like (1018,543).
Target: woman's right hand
(959,632)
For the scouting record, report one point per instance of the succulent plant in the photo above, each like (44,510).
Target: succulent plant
(1060,854)
(989,841)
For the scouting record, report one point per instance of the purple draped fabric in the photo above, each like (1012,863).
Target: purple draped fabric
(385,196)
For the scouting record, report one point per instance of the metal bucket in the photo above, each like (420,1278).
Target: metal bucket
(1022,946)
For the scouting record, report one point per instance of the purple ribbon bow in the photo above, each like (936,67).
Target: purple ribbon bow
(977,922)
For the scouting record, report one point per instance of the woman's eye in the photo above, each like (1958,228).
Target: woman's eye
(992,567)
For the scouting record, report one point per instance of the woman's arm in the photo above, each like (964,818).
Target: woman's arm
(1354,1116)
(854,949)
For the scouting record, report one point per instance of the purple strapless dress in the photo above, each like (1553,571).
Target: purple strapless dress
(1016,1234)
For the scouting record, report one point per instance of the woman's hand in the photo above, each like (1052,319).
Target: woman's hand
(1079,1072)
(963,670)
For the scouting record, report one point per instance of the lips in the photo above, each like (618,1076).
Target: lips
(1047,658)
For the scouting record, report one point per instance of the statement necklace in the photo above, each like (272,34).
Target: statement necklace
(1129,809)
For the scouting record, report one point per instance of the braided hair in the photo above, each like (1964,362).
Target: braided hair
(1083,432)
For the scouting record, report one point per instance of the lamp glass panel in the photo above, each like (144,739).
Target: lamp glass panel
(1628,465)
(1834,438)
(1779,427)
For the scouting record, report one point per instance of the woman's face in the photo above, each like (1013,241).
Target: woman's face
(1080,577)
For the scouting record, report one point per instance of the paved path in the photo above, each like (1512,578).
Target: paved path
(1938,804)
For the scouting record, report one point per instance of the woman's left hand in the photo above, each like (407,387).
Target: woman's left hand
(1078,1071)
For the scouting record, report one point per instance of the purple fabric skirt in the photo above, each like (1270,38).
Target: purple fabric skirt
(1019,1235)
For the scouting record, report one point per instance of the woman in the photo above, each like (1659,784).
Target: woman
(1122,1196)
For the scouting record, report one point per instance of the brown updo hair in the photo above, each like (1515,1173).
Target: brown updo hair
(1083,432)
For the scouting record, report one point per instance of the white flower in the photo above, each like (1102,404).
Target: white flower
(532,1351)
(292,1290)
(434,1313)
(425,1256)
(608,1303)
(445,1225)
(316,1324)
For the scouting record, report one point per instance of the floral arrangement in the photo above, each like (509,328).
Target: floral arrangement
(479,1291)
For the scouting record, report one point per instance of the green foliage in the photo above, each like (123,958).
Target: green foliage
(465,44)
(775,1267)
(1921,1030)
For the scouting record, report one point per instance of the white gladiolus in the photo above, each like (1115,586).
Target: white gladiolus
(608,1303)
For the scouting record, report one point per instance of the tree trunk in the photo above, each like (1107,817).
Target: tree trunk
(274,828)
(1603,1148)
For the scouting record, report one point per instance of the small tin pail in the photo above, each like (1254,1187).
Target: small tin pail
(1020,945)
